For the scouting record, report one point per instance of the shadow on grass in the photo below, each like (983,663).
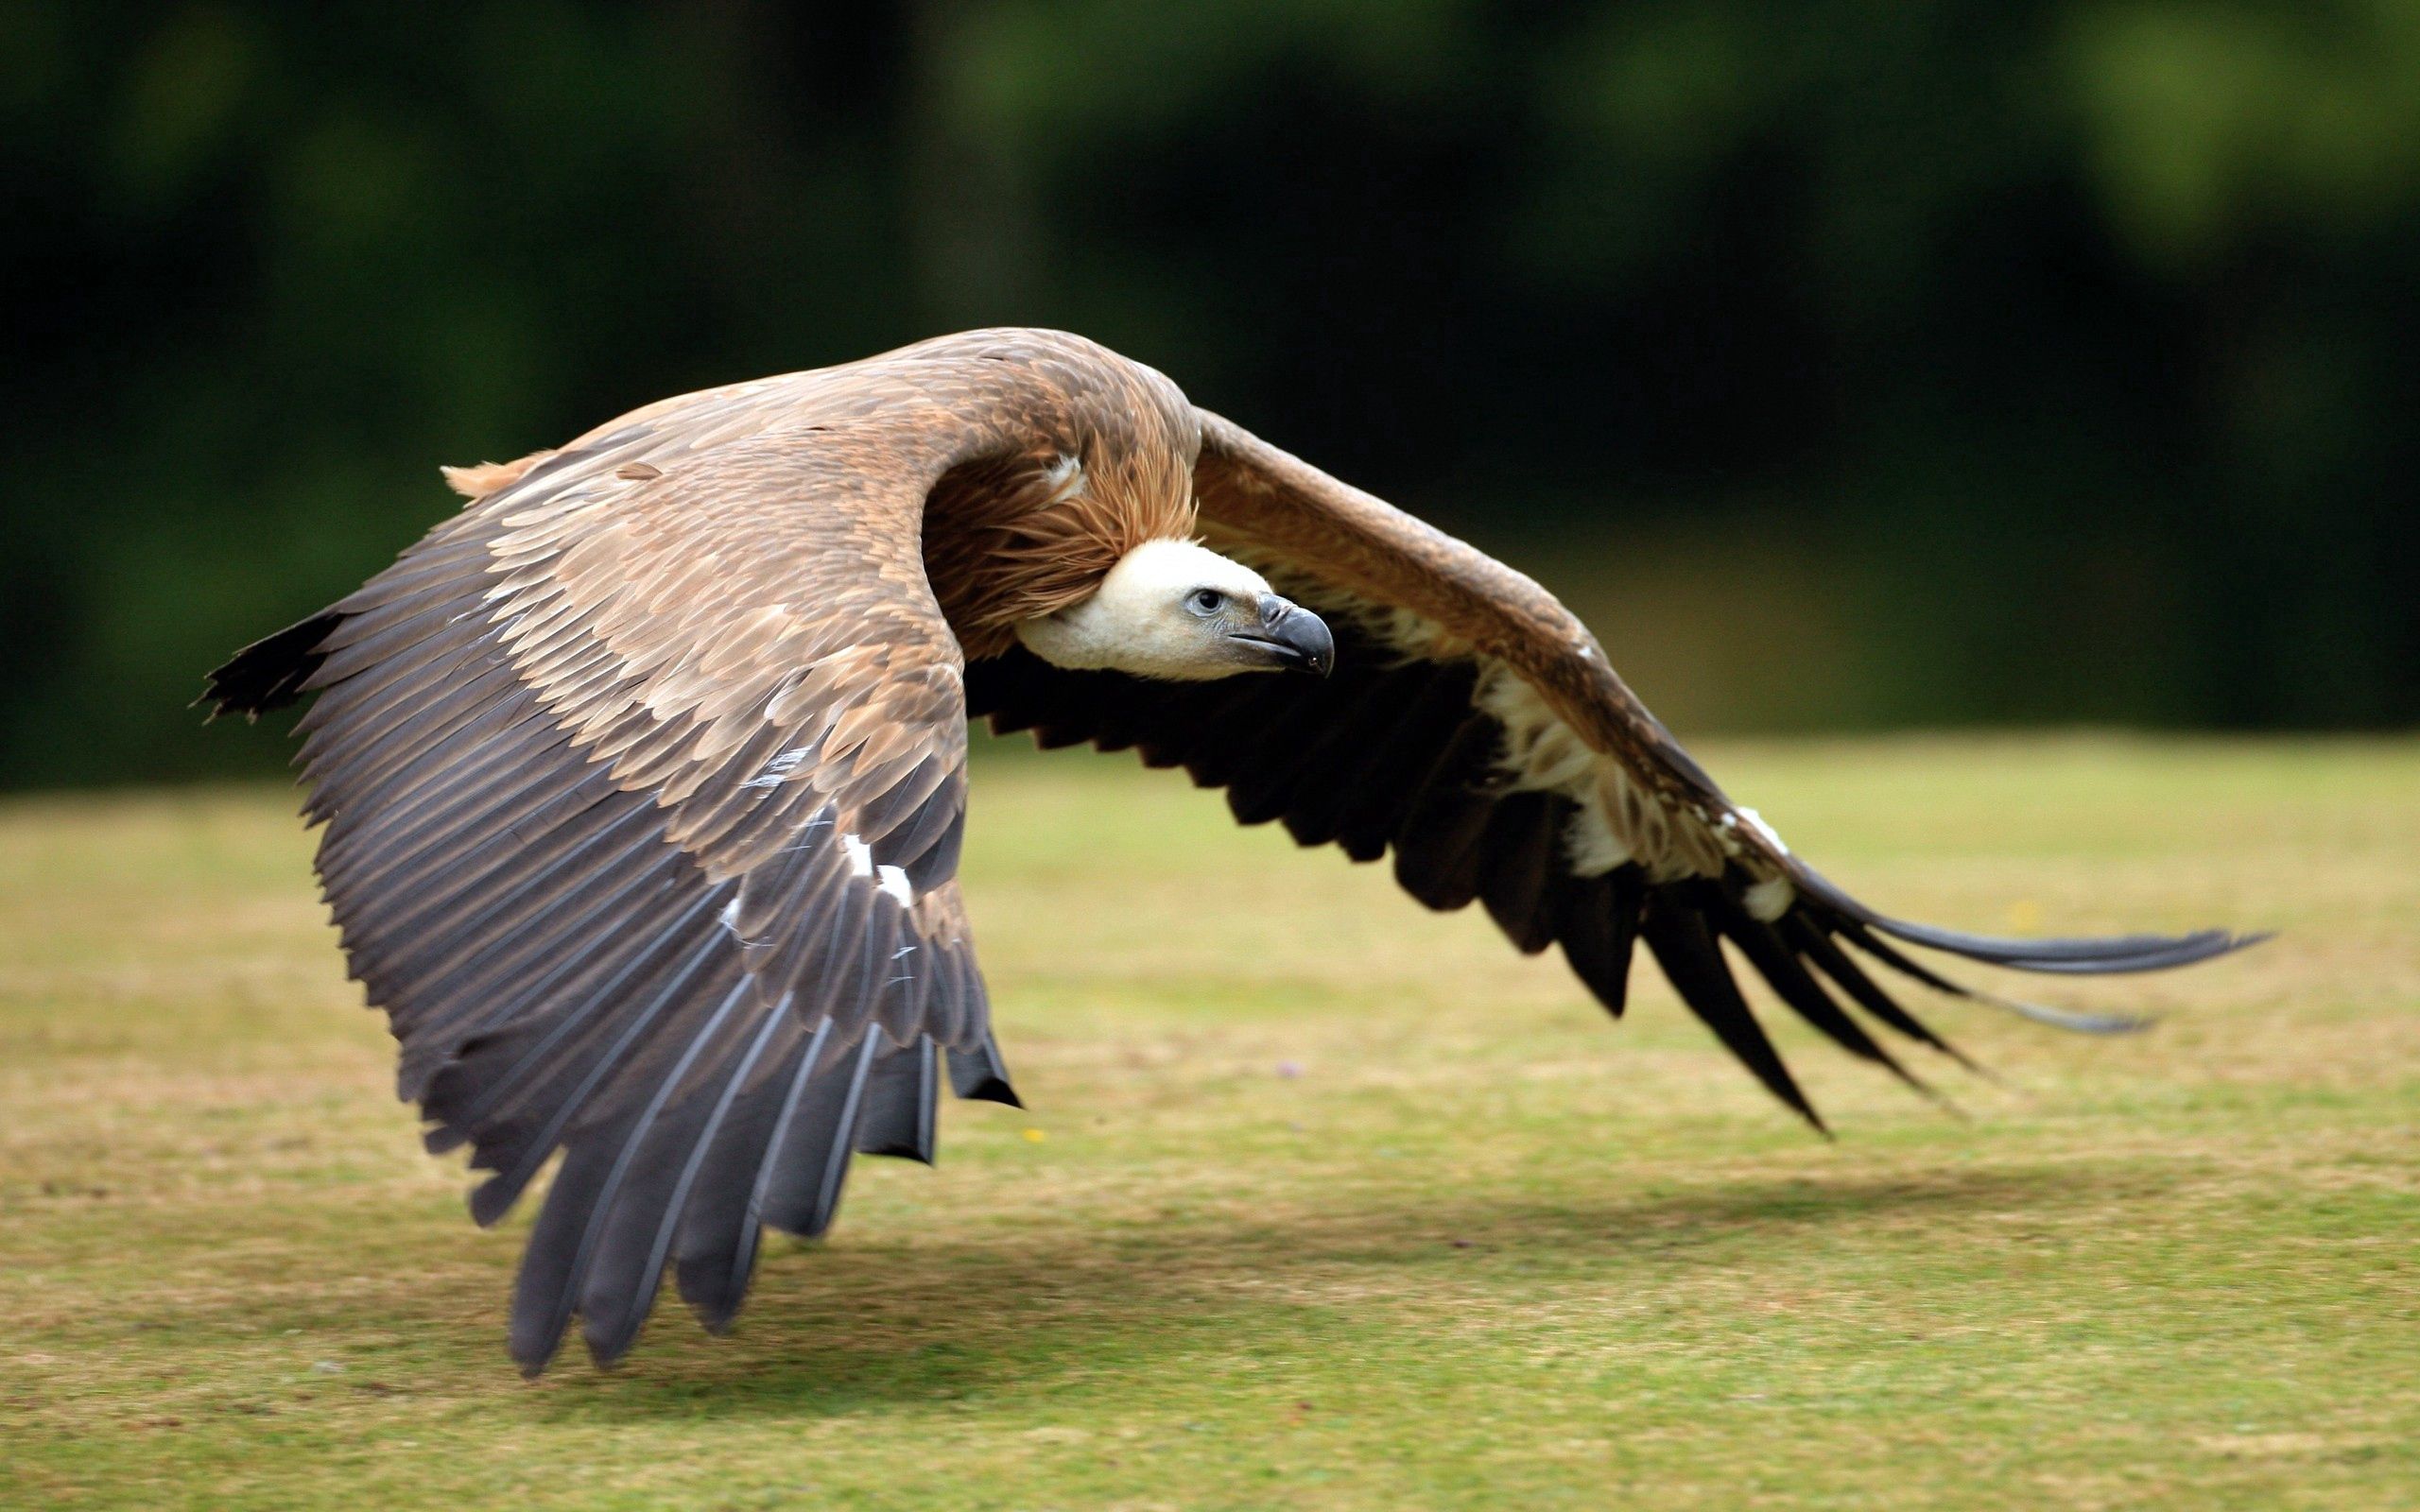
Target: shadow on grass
(857,1326)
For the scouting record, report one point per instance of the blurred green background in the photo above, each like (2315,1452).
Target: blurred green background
(1849,365)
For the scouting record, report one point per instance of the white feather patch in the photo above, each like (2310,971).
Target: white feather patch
(861,855)
(1756,823)
(777,771)
(1064,478)
(1769,899)
(728,919)
(1620,818)
(894,882)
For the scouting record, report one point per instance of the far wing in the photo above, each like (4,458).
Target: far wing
(1474,729)
(643,782)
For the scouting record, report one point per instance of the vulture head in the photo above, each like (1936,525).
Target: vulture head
(1176,611)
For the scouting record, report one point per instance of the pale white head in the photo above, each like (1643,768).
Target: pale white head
(1181,612)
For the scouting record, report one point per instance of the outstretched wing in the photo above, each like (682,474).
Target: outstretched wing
(643,782)
(1474,727)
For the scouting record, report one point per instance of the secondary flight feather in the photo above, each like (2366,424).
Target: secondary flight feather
(643,779)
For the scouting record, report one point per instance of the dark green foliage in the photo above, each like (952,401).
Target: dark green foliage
(2071,343)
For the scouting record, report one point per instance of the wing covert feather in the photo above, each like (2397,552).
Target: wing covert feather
(643,782)
(1474,729)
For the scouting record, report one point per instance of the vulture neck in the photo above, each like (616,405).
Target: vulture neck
(1018,539)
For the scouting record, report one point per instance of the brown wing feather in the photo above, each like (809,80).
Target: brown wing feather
(643,781)
(1361,551)
(747,633)
(1474,729)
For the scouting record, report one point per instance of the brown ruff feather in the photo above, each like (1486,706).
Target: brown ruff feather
(1016,540)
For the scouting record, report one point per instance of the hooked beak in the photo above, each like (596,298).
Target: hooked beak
(1293,638)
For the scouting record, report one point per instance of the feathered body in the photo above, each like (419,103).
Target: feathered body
(644,778)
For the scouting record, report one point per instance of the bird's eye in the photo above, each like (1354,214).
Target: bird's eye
(1206,601)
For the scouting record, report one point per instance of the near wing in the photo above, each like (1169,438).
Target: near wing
(1474,729)
(643,780)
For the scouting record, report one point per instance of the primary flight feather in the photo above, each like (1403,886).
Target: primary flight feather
(644,778)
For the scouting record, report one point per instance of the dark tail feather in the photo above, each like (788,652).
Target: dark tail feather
(980,1076)
(1804,957)
(572,1230)
(799,1135)
(1797,987)
(812,1162)
(639,1234)
(1675,929)
(1883,950)
(716,1252)
(1819,949)
(1599,927)
(2074,958)
(269,674)
(903,1100)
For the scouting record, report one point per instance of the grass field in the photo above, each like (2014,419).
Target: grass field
(1320,1202)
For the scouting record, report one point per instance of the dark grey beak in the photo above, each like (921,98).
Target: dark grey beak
(1295,638)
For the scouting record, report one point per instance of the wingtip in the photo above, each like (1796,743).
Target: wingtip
(608,1343)
(216,703)
(2067,1019)
(2078,956)
(715,1287)
(902,1152)
(979,1075)
(491,1199)
(2113,956)
(1929,1092)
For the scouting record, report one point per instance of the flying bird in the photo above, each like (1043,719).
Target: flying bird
(643,779)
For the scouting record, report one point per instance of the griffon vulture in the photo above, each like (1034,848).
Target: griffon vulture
(642,777)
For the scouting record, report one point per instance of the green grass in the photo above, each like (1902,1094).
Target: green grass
(1484,1249)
